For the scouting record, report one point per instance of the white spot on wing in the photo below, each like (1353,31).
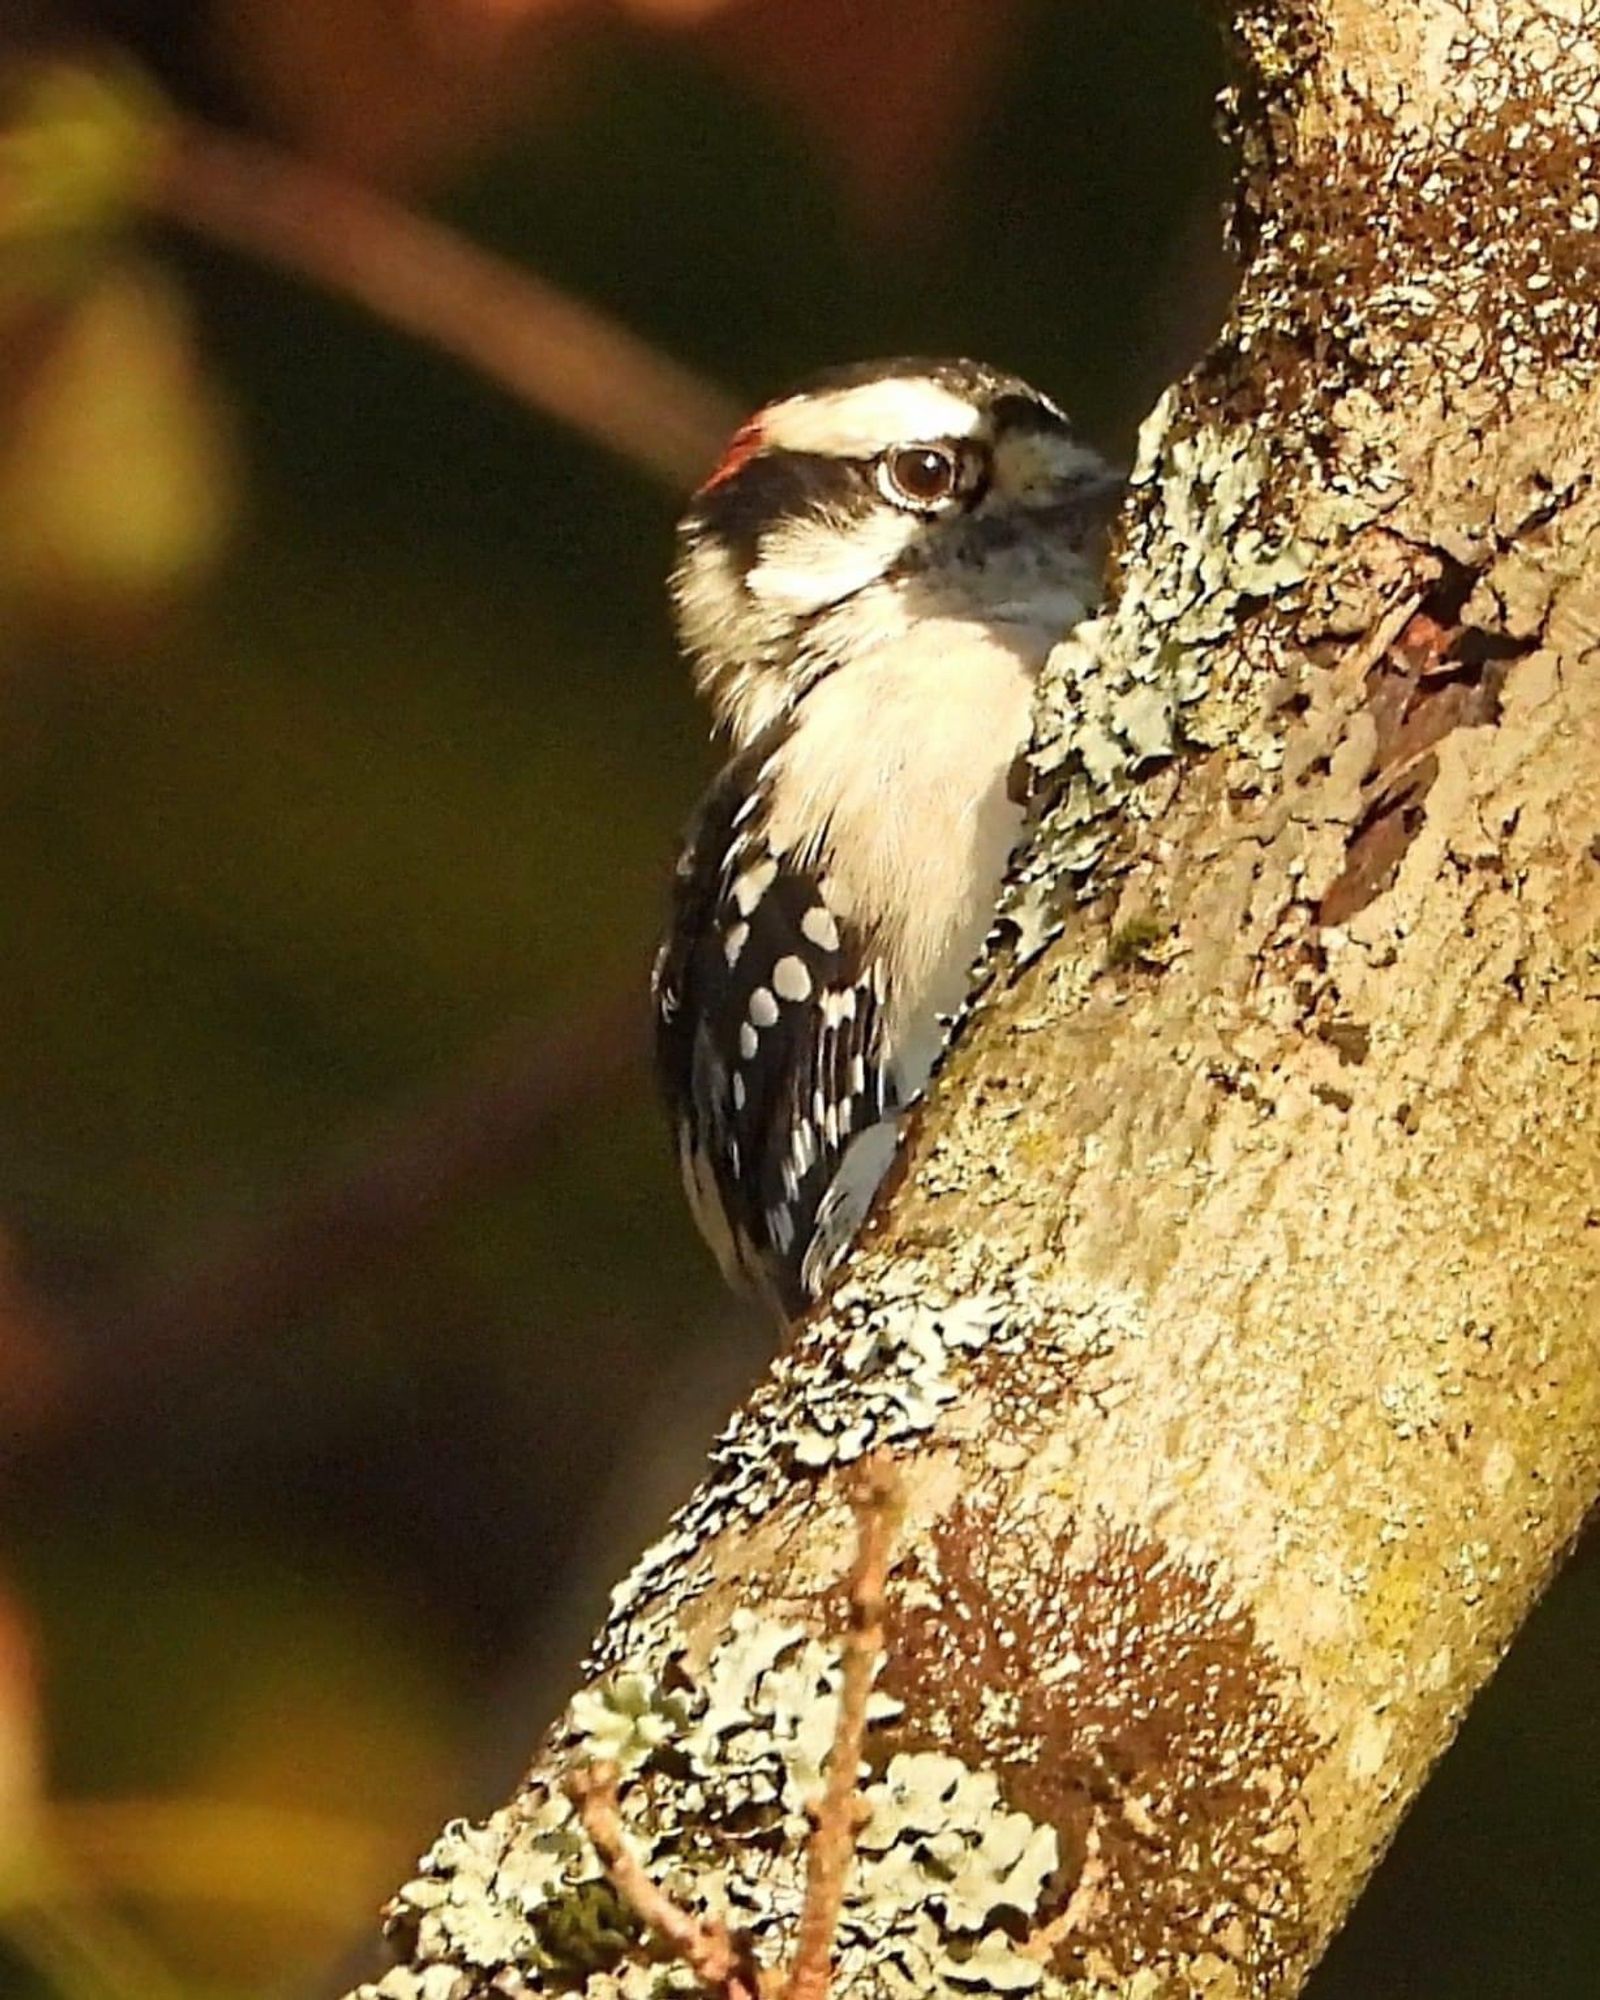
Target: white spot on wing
(753,884)
(819,927)
(791,979)
(763,1008)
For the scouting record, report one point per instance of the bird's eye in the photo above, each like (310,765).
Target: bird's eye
(923,476)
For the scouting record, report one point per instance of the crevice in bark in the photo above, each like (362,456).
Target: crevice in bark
(1440,674)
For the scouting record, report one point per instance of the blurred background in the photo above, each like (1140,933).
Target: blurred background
(353,1337)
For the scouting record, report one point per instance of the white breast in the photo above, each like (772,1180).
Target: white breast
(895,780)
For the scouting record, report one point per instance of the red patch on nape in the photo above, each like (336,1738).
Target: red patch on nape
(742,446)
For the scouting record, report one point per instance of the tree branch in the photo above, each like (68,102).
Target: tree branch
(1233,1328)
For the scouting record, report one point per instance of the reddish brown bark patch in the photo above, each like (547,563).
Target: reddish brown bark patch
(1125,1702)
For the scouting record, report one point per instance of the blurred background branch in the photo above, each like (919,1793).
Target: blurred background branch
(85,149)
(492,1123)
(550,350)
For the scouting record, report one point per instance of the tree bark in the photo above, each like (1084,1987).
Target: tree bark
(1234,1326)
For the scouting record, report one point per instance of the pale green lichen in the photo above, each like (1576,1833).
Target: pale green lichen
(1125,691)
(946,1877)
(625,1720)
(432,1982)
(877,1370)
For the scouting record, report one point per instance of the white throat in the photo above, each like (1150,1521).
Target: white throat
(895,783)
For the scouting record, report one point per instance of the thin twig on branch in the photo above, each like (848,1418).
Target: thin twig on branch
(838,1816)
(707,1949)
(551,351)
(840,1813)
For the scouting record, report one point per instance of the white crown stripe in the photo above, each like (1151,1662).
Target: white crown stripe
(858,422)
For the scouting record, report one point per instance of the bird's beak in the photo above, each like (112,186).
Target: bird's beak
(1084,506)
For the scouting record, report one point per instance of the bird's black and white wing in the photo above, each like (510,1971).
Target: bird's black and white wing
(770,1047)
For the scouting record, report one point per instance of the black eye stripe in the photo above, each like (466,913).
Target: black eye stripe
(779,486)
(773,486)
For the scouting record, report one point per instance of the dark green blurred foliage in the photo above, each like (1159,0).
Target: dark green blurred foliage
(405,770)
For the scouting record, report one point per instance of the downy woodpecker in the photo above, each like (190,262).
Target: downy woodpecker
(867,586)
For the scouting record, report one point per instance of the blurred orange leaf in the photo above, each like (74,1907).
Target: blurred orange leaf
(21,1746)
(680,12)
(889,89)
(393,95)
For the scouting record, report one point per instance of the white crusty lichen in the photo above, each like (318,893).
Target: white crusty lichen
(721,1767)
(876,1370)
(1122,692)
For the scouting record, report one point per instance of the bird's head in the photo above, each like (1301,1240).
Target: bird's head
(841,516)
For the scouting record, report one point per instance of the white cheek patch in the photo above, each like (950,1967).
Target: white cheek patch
(806,565)
(860,422)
